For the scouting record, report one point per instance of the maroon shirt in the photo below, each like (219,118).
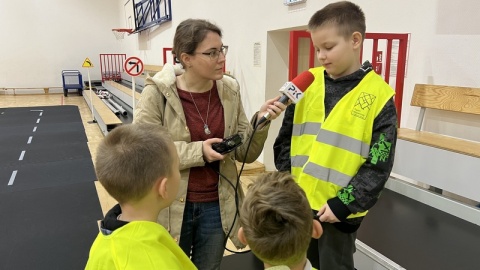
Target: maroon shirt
(203,181)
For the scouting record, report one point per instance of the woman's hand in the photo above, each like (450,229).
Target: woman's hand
(210,155)
(273,108)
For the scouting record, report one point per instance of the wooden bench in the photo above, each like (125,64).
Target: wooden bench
(149,69)
(251,169)
(442,161)
(105,118)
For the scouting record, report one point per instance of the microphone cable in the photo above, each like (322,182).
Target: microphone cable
(235,188)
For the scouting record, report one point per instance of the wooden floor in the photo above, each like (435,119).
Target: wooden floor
(95,135)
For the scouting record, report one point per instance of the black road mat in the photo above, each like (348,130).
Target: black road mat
(48,202)
(60,133)
(38,153)
(48,114)
(49,228)
(42,175)
(417,236)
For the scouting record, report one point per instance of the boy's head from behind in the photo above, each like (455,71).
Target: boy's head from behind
(133,157)
(337,32)
(276,220)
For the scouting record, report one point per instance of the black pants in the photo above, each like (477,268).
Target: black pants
(333,251)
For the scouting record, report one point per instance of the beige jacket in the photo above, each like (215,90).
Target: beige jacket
(161,104)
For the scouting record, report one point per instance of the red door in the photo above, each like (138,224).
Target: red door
(301,53)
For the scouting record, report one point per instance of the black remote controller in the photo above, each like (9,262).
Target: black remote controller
(228,144)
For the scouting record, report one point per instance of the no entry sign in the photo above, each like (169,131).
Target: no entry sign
(133,66)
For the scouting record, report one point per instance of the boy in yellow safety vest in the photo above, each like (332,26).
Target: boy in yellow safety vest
(339,140)
(138,165)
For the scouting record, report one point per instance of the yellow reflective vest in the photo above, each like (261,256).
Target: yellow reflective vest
(327,153)
(138,245)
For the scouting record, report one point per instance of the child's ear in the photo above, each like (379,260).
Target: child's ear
(317,230)
(241,236)
(357,40)
(161,187)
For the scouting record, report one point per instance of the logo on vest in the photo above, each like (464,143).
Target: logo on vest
(363,105)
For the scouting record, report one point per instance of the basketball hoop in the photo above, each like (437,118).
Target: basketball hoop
(120,32)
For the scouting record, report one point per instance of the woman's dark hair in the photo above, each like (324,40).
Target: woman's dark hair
(189,34)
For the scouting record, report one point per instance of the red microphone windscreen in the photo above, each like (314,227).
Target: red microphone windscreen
(303,80)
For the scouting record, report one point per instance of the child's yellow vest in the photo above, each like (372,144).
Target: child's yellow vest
(327,153)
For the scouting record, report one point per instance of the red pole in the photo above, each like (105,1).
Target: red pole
(101,67)
(374,54)
(388,60)
(402,59)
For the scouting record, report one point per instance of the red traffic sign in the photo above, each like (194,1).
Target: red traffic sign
(133,66)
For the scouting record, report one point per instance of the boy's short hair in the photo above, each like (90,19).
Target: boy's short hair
(348,16)
(131,158)
(277,219)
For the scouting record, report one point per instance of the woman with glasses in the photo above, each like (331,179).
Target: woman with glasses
(200,105)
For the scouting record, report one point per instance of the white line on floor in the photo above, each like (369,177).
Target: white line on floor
(41,114)
(30,139)
(21,155)
(38,120)
(34,129)
(12,178)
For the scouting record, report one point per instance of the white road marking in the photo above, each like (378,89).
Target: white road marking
(12,178)
(34,129)
(30,139)
(21,155)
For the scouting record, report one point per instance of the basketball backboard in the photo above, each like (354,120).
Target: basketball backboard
(129,15)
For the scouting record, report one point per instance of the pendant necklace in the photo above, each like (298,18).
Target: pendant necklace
(205,125)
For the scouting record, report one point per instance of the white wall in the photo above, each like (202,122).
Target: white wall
(40,38)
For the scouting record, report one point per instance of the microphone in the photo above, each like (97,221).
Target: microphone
(293,91)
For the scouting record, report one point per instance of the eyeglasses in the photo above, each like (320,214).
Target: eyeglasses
(215,53)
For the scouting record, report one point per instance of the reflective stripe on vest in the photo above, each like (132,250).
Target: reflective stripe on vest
(306,128)
(327,153)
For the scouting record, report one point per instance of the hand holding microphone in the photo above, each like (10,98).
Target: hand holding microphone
(291,91)
(270,110)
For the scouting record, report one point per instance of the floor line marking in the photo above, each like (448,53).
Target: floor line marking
(21,155)
(12,177)
(38,120)
(41,114)
(30,139)
(34,129)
